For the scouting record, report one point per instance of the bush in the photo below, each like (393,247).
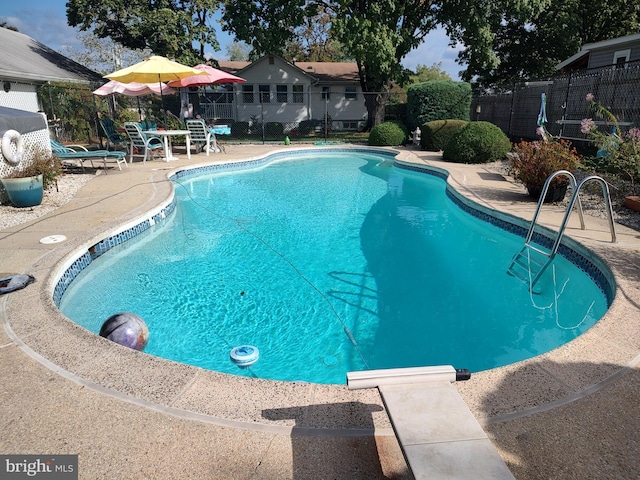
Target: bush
(388,134)
(477,142)
(436,134)
(437,100)
(307,126)
(240,129)
(274,129)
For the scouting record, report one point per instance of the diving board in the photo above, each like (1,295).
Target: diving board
(439,436)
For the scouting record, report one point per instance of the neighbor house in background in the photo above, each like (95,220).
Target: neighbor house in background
(616,51)
(279,91)
(26,64)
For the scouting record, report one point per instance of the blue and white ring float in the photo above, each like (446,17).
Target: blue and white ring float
(244,356)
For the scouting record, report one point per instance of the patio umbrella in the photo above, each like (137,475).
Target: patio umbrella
(207,76)
(133,89)
(154,69)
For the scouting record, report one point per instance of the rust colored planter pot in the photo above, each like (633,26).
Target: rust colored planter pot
(632,202)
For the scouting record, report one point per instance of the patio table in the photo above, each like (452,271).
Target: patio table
(166,137)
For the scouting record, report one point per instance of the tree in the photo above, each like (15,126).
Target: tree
(166,27)
(377,34)
(103,55)
(529,50)
(426,74)
(313,41)
(238,51)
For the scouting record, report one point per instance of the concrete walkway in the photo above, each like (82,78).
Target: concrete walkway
(569,414)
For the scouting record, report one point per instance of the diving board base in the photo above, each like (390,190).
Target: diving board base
(439,436)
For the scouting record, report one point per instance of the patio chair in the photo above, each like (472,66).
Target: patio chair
(149,145)
(113,136)
(79,153)
(201,136)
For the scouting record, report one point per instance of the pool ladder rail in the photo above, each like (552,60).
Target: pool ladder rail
(533,260)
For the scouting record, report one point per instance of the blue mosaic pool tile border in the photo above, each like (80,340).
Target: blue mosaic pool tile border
(258,162)
(104,246)
(70,275)
(572,255)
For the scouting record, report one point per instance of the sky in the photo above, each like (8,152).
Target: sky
(46,21)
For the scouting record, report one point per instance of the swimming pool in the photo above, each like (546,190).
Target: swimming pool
(328,264)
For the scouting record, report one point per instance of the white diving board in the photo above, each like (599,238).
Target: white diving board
(439,436)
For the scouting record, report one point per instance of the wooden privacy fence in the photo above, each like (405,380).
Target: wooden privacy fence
(515,110)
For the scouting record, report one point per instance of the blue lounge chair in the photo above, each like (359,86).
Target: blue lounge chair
(113,137)
(79,154)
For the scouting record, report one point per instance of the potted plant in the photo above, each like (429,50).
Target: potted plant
(533,162)
(26,183)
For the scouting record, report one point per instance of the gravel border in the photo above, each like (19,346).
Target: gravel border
(67,186)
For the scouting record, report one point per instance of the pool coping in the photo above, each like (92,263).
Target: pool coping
(533,385)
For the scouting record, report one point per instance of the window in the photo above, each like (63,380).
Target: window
(265,95)
(621,57)
(326,93)
(298,94)
(247,94)
(350,93)
(282,93)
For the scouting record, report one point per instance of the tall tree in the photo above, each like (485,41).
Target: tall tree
(166,27)
(426,74)
(529,50)
(377,34)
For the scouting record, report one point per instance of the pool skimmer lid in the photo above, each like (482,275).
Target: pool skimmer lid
(52,239)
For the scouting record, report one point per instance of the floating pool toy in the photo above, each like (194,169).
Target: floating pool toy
(244,356)
(126,329)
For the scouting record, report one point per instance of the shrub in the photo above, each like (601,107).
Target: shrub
(436,134)
(240,129)
(307,126)
(274,129)
(437,100)
(532,162)
(388,134)
(477,142)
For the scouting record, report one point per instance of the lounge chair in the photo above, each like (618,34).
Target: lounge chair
(113,137)
(78,153)
(149,145)
(201,136)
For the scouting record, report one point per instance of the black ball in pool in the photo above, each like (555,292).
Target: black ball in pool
(126,329)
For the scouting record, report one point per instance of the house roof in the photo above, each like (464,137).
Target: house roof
(323,72)
(582,57)
(23,59)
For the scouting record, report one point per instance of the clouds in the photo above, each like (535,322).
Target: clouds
(434,49)
(48,25)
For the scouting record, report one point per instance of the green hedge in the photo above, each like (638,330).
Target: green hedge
(477,142)
(437,100)
(388,134)
(435,135)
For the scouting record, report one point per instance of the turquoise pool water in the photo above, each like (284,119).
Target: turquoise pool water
(328,264)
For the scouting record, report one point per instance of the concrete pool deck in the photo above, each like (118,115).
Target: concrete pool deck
(571,413)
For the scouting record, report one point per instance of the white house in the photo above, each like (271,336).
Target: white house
(26,64)
(279,91)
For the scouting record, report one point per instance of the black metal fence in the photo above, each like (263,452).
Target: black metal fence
(73,114)
(516,110)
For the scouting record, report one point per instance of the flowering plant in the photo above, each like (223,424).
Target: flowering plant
(620,149)
(533,162)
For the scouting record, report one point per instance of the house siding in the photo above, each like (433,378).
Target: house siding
(21,96)
(274,71)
